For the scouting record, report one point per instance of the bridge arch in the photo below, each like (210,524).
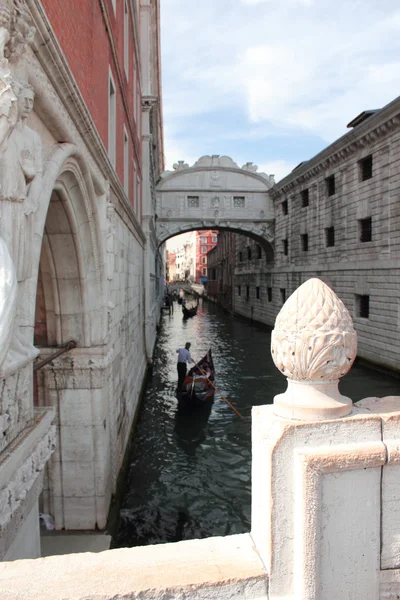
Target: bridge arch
(215,193)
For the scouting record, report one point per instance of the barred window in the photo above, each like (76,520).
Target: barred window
(365,166)
(305,197)
(362,306)
(365,229)
(330,185)
(329,237)
(193,201)
(238,201)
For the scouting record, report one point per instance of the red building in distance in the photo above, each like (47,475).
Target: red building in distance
(205,241)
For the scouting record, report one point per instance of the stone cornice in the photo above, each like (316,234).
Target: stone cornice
(189,170)
(375,128)
(55,66)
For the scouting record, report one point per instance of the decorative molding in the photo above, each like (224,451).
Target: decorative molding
(337,152)
(20,487)
(309,468)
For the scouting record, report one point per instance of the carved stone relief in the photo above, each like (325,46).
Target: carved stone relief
(20,177)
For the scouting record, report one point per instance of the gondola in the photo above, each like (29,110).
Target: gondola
(189,312)
(198,389)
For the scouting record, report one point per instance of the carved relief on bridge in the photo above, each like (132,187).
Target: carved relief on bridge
(215,193)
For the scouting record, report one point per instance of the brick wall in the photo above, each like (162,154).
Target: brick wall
(80,28)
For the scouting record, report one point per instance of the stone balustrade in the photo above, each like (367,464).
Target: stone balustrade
(326,485)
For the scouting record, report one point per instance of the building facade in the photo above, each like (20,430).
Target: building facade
(337,217)
(80,151)
(205,241)
(221,269)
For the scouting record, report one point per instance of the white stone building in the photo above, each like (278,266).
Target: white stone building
(337,216)
(78,264)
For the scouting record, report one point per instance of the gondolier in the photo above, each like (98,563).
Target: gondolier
(183,358)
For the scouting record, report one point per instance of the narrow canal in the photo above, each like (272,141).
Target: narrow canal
(189,477)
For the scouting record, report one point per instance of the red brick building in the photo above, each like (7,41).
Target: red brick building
(205,241)
(103,55)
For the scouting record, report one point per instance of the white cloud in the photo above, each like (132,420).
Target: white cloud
(279,168)
(300,66)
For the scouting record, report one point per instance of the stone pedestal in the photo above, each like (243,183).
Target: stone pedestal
(316,503)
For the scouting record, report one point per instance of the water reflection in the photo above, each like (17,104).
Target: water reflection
(189,475)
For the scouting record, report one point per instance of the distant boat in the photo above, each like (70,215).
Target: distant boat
(189,312)
(198,388)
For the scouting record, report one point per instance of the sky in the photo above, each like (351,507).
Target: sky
(273,82)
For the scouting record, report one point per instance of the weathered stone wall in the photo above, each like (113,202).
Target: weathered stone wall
(306,214)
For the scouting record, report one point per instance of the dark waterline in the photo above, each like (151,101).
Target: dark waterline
(189,476)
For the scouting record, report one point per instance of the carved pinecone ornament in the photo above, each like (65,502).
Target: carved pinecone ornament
(314,338)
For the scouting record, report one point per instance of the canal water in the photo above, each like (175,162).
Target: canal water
(189,476)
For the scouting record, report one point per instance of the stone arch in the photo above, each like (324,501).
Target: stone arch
(265,239)
(69,267)
(215,193)
(70,278)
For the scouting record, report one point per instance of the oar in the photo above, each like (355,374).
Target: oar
(219,392)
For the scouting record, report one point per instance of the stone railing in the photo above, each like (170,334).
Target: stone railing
(326,485)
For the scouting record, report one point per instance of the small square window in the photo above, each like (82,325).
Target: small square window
(365,229)
(214,239)
(362,306)
(259,252)
(283,295)
(285,208)
(269,294)
(285,247)
(248,253)
(365,166)
(305,198)
(239,290)
(247,292)
(329,237)
(304,242)
(257,293)
(330,185)
(238,201)
(193,201)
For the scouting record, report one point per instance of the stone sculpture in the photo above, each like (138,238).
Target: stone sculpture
(313,345)
(20,180)
(8,299)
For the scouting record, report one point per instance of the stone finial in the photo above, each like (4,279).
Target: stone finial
(313,344)
(250,167)
(180,165)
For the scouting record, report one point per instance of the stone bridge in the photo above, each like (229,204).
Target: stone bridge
(215,193)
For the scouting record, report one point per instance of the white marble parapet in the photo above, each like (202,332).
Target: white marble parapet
(214,568)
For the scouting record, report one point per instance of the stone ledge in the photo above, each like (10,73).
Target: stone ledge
(210,568)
